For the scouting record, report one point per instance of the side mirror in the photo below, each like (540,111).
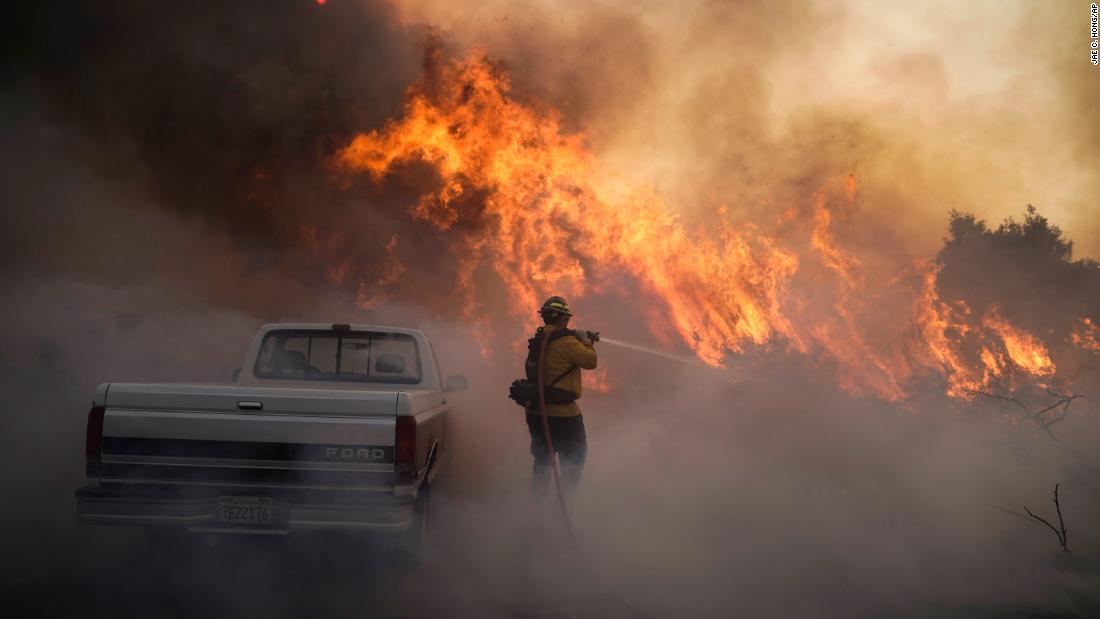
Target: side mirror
(456,383)
(236,374)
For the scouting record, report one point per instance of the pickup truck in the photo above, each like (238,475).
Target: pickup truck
(327,427)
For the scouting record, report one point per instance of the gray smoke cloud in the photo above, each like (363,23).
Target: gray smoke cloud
(983,107)
(163,171)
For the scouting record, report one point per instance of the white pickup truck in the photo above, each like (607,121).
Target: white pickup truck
(327,427)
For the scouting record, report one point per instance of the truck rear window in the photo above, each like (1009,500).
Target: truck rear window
(322,355)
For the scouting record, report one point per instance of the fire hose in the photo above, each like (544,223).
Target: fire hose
(554,465)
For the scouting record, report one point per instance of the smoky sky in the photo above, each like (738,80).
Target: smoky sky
(220,115)
(227,114)
(981,108)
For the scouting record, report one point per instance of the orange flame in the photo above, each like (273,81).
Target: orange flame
(862,368)
(552,219)
(1086,336)
(1024,350)
(1002,348)
(368,297)
(557,215)
(597,381)
(939,331)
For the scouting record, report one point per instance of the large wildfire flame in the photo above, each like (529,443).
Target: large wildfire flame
(1002,350)
(558,221)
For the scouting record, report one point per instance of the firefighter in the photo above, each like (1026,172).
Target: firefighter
(567,353)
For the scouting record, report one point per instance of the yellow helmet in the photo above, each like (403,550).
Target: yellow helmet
(556,304)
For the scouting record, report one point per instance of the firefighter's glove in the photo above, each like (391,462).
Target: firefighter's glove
(585,337)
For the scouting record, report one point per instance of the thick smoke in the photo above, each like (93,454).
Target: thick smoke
(168,187)
(935,106)
(222,114)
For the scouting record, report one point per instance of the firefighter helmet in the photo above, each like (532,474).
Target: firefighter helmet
(555,304)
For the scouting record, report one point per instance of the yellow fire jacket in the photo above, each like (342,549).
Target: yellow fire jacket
(563,353)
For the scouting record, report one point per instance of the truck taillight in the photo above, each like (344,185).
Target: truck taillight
(404,452)
(93,438)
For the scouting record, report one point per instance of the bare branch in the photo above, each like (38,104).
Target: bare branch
(1061,522)
(1059,531)
(1062,401)
(1014,513)
(997,396)
(1044,521)
(1065,410)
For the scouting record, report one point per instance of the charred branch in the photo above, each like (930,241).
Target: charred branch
(1046,416)
(1060,530)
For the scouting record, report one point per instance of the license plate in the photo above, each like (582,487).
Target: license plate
(254,510)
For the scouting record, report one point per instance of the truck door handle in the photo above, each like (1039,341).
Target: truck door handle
(250,405)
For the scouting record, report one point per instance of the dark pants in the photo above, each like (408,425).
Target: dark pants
(570,443)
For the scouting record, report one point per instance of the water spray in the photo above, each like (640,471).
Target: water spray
(648,350)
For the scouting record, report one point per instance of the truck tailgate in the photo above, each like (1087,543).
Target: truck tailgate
(247,436)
